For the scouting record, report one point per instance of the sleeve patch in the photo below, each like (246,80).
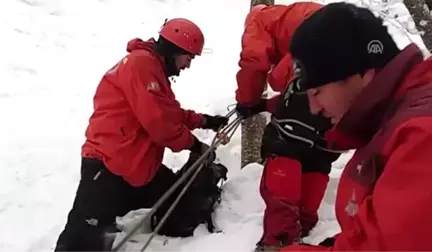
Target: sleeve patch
(153,86)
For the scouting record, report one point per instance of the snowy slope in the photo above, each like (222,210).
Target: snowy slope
(53,53)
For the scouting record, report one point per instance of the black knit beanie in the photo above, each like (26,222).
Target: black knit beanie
(338,41)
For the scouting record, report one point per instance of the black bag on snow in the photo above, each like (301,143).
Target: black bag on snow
(197,204)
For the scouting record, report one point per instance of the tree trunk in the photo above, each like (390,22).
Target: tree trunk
(253,127)
(420,12)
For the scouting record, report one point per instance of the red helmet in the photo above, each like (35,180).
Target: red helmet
(184,34)
(252,13)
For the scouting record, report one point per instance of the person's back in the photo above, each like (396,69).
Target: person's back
(265,43)
(281,21)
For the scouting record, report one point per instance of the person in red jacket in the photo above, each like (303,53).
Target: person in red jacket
(297,164)
(380,99)
(265,43)
(136,116)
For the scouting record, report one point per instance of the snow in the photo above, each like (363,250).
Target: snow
(53,54)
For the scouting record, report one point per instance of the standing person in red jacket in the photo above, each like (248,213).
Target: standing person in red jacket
(136,116)
(380,99)
(297,165)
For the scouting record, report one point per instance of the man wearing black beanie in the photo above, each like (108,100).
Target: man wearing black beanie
(379,99)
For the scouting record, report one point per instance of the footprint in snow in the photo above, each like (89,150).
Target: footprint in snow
(23,69)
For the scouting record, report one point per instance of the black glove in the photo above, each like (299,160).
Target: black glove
(328,242)
(247,111)
(198,148)
(214,122)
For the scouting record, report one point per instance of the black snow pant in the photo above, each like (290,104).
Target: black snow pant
(101,196)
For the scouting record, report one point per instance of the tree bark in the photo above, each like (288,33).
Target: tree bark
(420,12)
(253,128)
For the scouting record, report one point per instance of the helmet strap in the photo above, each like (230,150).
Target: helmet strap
(169,51)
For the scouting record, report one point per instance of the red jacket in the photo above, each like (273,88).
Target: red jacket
(265,43)
(384,198)
(136,116)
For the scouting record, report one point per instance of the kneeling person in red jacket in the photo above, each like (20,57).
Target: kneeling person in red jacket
(136,116)
(297,164)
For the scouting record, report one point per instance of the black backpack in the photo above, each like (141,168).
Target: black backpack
(197,204)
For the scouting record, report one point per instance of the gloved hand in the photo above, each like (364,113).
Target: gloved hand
(198,148)
(214,122)
(328,242)
(247,111)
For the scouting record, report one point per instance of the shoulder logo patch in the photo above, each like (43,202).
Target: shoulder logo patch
(153,86)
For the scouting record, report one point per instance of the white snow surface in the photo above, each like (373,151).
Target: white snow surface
(53,54)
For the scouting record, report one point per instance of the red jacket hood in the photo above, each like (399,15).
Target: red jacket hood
(364,118)
(149,46)
(139,44)
(419,75)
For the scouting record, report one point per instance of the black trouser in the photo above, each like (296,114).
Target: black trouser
(276,143)
(101,196)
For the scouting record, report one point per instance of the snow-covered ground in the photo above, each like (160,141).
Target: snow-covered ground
(54,52)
